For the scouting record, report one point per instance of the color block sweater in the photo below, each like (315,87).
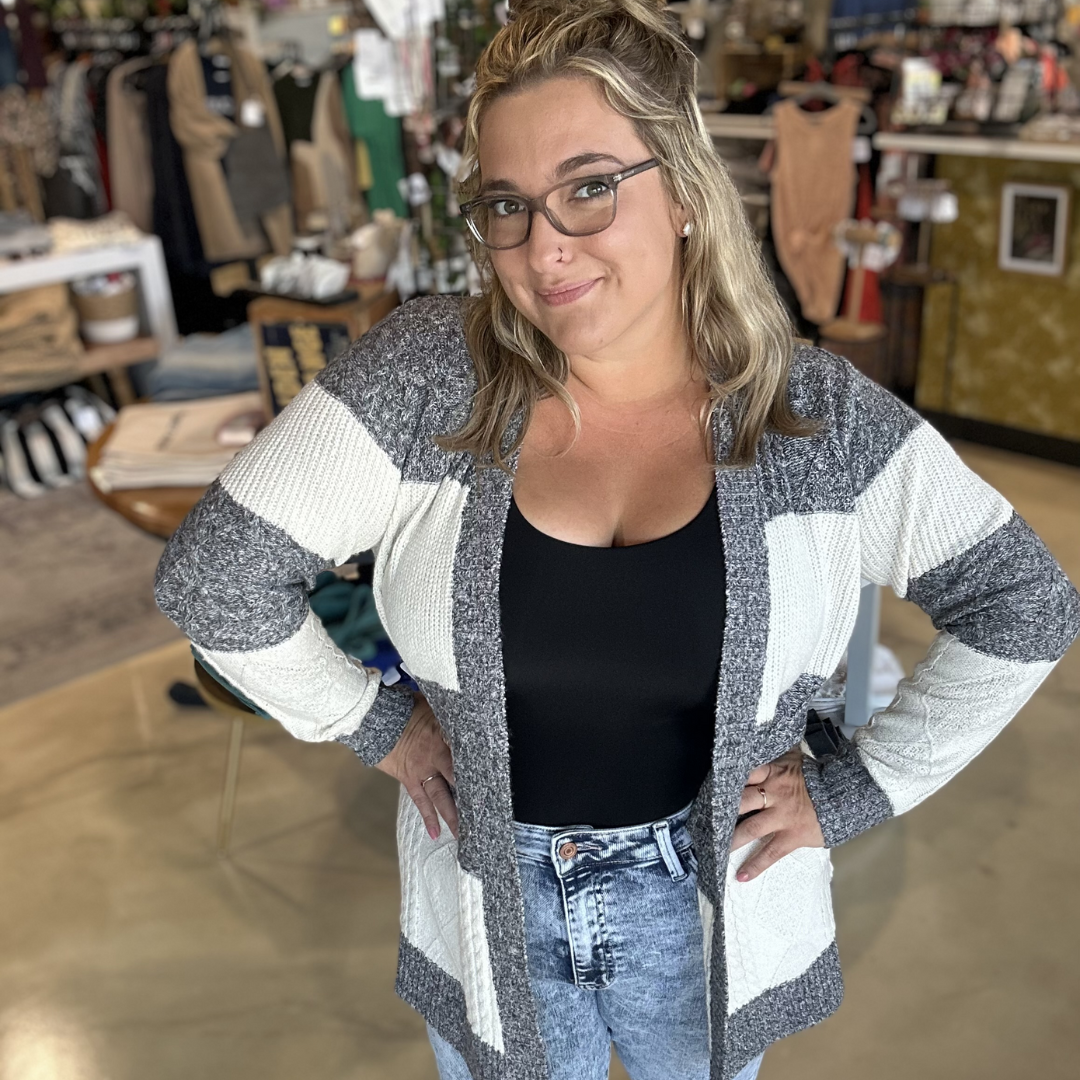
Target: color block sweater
(875,494)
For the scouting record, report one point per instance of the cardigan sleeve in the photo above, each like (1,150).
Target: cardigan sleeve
(316,486)
(1005,612)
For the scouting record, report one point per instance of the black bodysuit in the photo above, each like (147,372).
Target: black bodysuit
(611,658)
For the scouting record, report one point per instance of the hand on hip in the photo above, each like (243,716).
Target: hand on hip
(786,818)
(421,762)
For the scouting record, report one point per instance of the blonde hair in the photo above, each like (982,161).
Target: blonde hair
(739,332)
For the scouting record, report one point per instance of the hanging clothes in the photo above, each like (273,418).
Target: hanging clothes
(295,94)
(173,213)
(130,169)
(31,48)
(870,309)
(813,188)
(381,135)
(333,143)
(326,194)
(9,66)
(75,189)
(28,149)
(245,218)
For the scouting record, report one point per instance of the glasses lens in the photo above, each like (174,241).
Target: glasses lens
(583,206)
(501,222)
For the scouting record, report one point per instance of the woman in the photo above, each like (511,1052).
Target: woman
(621,525)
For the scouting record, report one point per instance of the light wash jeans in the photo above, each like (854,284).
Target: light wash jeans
(613,937)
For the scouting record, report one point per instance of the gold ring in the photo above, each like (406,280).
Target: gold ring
(764,798)
(430,778)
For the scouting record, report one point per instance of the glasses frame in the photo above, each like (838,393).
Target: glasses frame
(539,204)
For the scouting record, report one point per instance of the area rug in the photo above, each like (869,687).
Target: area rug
(76,590)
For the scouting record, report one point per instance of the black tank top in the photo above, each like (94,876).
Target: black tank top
(611,658)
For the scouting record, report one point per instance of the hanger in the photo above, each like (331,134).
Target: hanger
(292,63)
(803,93)
(213,26)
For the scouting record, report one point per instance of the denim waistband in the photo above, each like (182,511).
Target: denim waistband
(569,845)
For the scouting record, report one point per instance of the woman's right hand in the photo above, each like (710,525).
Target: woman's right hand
(421,761)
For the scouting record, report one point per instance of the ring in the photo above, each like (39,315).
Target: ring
(431,777)
(764,797)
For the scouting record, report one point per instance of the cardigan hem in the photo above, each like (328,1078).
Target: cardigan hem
(806,1000)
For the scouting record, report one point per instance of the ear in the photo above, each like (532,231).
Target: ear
(679,219)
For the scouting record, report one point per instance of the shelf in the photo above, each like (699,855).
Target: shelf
(100,358)
(739,126)
(979,146)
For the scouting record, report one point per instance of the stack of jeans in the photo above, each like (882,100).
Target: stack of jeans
(206,365)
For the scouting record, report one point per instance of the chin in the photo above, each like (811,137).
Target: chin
(581,332)
(582,339)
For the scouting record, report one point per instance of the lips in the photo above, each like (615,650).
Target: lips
(566,294)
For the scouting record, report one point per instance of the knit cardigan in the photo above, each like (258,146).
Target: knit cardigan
(875,494)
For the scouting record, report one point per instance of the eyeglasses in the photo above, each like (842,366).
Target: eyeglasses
(578,207)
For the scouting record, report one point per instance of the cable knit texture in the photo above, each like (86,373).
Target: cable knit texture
(875,494)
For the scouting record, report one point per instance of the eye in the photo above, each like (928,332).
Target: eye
(591,189)
(506,207)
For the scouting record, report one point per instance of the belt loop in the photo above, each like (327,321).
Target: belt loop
(674,865)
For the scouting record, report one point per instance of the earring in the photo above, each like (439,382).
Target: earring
(686,229)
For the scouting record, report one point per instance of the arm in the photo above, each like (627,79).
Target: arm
(1005,612)
(316,486)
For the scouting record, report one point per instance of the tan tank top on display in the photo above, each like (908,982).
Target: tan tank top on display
(813,189)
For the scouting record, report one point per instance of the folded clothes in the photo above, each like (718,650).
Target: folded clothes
(39,340)
(175,444)
(206,365)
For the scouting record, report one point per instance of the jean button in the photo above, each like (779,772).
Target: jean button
(568,850)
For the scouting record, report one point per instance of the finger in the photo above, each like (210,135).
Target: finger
(751,800)
(773,851)
(440,794)
(753,828)
(760,774)
(427,810)
(444,762)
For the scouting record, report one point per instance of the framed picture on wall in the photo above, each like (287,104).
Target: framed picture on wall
(1034,223)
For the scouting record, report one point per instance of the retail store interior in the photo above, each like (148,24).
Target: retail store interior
(202,204)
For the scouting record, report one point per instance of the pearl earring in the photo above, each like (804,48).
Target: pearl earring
(686,229)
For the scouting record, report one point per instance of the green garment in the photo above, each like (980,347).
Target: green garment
(382,134)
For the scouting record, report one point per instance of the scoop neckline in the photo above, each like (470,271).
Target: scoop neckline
(612,547)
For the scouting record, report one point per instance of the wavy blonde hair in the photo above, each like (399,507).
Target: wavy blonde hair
(740,335)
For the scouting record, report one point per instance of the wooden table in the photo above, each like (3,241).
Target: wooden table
(158,511)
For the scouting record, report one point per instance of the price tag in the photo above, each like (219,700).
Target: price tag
(252,113)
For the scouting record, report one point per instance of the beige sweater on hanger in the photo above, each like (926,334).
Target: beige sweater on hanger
(205,137)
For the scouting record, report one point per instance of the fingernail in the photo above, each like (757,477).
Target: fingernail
(433,832)
(742,875)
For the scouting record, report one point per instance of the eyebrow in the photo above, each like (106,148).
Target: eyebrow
(563,169)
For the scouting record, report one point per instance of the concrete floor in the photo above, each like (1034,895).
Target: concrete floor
(129,951)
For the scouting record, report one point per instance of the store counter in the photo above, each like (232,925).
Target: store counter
(1013,378)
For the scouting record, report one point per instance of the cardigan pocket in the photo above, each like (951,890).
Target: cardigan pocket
(442,917)
(778,924)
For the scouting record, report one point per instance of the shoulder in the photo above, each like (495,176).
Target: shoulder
(864,423)
(829,388)
(418,349)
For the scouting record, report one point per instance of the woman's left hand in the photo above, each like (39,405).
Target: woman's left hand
(788,819)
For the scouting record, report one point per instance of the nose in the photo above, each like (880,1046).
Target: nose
(546,244)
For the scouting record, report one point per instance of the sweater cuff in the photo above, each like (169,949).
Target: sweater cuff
(846,797)
(382,725)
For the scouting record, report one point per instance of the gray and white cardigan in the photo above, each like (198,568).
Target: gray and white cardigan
(876,494)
